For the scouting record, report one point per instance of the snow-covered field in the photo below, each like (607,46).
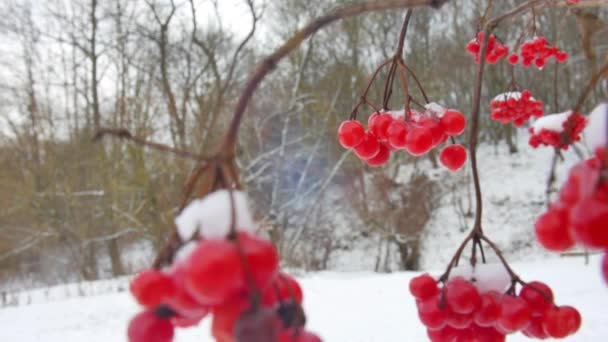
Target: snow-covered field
(341,307)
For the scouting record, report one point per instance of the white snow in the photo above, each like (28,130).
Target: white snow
(485,277)
(341,307)
(508,95)
(437,109)
(551,122)
(212,215)
(596,131)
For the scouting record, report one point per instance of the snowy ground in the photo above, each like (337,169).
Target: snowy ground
(341,307)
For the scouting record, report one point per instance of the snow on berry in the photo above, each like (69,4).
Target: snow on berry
(516,107)
(485,276)
(596,132)
(212,216)
(558,130)
(436,110)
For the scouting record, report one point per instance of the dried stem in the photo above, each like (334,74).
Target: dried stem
(122,133)
(270,62)
(476,235)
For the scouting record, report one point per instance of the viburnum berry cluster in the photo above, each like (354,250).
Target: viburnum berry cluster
(459,311)
(390,131)
(537,51)
(494,52)
(516,107)
(557,130)
(233,276)
(580,213)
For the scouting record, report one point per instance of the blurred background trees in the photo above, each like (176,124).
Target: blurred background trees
(170,70)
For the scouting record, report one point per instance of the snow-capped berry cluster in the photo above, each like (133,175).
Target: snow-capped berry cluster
(516,107)
(389,131)
(537,51)
(460,312)
(219,276)
(558,130)
(494,52)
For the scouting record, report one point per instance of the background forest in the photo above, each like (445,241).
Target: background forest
(169,71)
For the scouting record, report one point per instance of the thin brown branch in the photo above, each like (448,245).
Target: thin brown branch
(403,33)
(270,62)
(589,87)
(122,133)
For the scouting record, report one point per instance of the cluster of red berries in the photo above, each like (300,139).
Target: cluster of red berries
(494,52)
(515,107)
(458,312)
(389,132)
(537,51)
(220,277)
(580,213)
(561,136)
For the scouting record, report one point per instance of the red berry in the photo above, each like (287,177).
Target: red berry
(487,334)
(225,317)
(436,129)
(444,334)
(368,148)
(423,287)
(185,305)
(453,122)
(515,313)
(381,157)
(148,327)
(489,310)
(397,134)
(561,57)
(351,133)
(552,230)
(214,272)
(419,141)
(538,295)
(513,59)
(431,315)
(283,288)
(453,157)
(464,335)
(605,267)
(588,219)
(459,321)
(535,329)
(298,335)
(462,296)
(539,62)
(262,258)
(378,124)
(561,321)
(473,47)
(151,288)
